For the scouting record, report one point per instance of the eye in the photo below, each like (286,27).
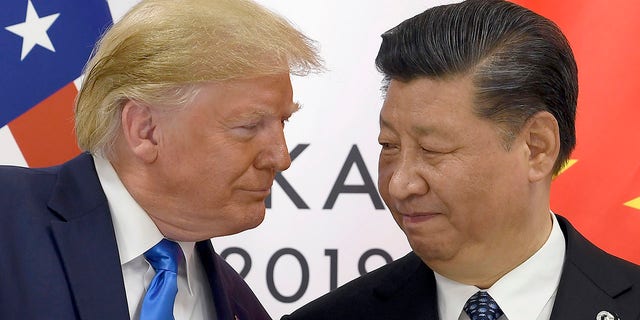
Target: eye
(250,127)
(387,147)
(430,151)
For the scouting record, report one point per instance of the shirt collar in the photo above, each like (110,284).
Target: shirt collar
(135,231)
(540,275)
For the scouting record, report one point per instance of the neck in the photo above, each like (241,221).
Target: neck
(485,266)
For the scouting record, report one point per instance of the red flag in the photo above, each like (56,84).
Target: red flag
(600,191)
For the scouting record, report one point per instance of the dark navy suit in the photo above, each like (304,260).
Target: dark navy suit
(592,281)
(59,257)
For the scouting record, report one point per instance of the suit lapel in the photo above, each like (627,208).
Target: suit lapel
(86,242)
(585,289)
(220,298)
(409,291)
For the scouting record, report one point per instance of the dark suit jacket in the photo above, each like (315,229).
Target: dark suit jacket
(591,281)
(59,257)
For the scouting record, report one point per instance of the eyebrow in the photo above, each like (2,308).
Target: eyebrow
(424,131)
(418,130)
(295,107)
(259,113)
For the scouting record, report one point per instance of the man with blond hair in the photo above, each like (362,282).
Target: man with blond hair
(181,115)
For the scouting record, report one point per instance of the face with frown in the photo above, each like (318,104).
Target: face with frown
(454,188)
(210,165)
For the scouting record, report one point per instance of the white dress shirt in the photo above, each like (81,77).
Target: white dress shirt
(135,234)
(525,293)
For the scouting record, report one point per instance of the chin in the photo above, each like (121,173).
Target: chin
(255,221)
(249,222)
(237,218)
(429,250)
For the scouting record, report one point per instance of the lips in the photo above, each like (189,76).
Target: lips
(259,191)
(267,189)
(414,218)
(259,187)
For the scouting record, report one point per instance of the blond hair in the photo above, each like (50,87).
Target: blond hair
(162,49)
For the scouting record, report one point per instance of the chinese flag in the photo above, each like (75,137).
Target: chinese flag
(599,190)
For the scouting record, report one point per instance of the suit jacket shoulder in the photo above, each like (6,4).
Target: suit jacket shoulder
(593,281)
(58,245)
(403,289)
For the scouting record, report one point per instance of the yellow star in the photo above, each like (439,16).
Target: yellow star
(635,203)
(566,166)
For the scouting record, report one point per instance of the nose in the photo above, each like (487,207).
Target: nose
(406,180)
(274,154)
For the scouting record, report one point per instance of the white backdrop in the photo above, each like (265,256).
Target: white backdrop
(313,242)
(340,110)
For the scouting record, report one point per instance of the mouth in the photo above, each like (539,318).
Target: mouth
(261,192)
(414,218)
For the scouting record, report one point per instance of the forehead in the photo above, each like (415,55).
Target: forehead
(267,94)
(424,103)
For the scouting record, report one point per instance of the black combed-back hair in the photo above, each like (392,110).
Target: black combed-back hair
(520,62)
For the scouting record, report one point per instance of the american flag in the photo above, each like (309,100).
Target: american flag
(43,47)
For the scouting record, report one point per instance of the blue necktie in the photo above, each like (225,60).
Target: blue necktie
(161,295)
(482,307)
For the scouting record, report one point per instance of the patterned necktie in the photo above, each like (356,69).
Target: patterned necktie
(161,295)
(482,307)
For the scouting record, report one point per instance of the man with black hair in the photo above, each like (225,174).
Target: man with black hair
(478,117)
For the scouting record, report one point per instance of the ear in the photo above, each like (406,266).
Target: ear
(139,131)
(543,140)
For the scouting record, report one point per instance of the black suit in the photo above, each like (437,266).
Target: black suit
(591,281)
(59,256)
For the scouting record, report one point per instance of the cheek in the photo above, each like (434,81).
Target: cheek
(385,171)
(482,197)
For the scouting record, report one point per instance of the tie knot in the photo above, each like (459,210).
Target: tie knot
(164,256)
(481,306)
